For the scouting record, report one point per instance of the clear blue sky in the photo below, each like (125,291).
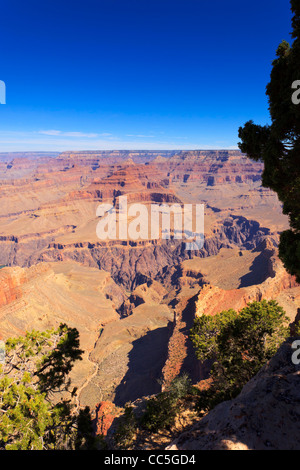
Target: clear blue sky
(143,74)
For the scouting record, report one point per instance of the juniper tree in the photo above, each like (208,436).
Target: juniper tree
(33,416)
(278,145)
(238,345)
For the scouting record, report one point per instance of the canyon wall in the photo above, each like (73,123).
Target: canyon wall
(134,301)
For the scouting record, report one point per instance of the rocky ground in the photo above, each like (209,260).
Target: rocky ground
(265,416)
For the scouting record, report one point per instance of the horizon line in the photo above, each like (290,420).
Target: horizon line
(125,150)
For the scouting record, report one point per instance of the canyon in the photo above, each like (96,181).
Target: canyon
(134,301)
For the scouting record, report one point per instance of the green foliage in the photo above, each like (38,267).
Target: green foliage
(278,145)
(205,332)
(161,410)
(160,413)
(36,368)
(238,346)
(297,329)
(181,386)
(126,429)
(25,415)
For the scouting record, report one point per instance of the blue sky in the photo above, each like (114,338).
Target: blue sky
(135,74)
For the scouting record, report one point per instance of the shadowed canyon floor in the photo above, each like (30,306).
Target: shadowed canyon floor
(133,302)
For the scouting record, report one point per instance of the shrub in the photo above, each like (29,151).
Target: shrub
(238,346)
(161,412)
(126,429)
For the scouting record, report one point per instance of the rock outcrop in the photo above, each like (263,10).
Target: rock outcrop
(265,416)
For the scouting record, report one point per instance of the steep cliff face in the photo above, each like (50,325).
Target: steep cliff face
(130,263)
(265,416)
(10,283)
(211,167)
(266,279)
(200,294)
